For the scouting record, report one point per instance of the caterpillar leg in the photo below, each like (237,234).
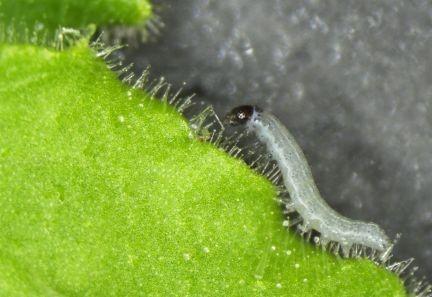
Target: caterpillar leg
(294,221)
(346,248)
(304,228)
(322,241)
(289,208)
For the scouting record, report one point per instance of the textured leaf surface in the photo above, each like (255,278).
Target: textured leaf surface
(45,16)
(104,192)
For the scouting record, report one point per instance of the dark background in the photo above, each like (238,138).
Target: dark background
(351,79)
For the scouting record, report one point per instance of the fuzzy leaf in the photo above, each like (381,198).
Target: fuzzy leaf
(104,192)
(26,20)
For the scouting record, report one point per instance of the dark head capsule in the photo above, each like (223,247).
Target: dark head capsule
(240,115)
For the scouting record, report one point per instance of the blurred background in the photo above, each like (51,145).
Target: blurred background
(352,80)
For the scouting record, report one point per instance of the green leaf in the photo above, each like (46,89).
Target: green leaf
(30,19)
(105,192)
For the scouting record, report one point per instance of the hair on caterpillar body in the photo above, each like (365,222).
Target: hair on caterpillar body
(297,178)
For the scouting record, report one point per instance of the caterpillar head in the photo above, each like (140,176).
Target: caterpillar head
(241,115)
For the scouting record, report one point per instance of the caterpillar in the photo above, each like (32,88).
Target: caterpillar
(298,180)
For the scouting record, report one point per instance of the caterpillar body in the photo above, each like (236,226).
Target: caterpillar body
(297,179)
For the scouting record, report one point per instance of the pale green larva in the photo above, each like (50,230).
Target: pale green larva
(297,178)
